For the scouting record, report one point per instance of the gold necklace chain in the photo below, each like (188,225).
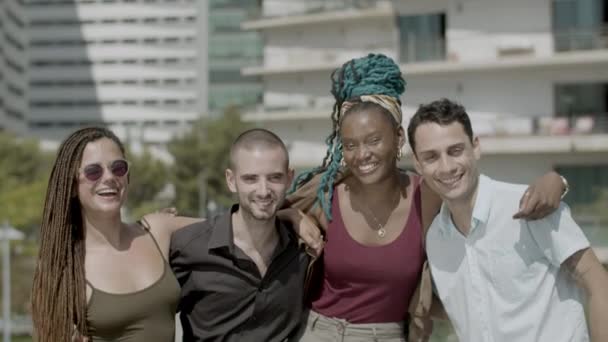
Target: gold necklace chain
(380,230)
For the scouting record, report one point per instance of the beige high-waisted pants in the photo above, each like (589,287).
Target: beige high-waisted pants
(319,328)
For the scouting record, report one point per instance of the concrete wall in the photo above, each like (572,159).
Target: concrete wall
(486,29)
(332,42)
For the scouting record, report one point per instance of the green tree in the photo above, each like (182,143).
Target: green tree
(24,172)
(148,176)
(201,157)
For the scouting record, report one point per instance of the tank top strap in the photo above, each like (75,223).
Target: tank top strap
(146,227)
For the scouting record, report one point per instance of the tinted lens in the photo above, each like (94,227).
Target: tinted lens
(119,168)
(93,172)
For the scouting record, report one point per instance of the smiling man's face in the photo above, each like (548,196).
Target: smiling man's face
(447,159)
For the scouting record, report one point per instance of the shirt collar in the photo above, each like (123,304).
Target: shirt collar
(483,201)
(222,235)
(481,209)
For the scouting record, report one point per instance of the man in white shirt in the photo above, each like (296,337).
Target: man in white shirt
(500,278)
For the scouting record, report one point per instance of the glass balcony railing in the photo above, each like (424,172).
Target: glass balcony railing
(320,6)
(422,49)
(581,39)
(545,125)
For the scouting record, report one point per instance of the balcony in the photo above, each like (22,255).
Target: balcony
(534,135)
(581,39)
(501,134)
(319,109)
(319,11)
(415,50)
(591,124)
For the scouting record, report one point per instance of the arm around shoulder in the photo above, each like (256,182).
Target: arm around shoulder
(168,223)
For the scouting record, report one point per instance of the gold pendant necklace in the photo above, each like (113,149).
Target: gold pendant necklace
(380,230)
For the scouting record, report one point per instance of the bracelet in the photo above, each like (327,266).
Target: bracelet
(566,186)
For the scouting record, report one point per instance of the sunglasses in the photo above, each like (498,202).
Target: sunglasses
(94,172)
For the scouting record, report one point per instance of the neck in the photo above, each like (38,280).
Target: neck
(461,210)
(381,191)
(256,233)
(102,229)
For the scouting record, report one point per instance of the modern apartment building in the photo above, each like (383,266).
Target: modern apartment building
(138,66)
(230,49)
(533,75)
(13,68)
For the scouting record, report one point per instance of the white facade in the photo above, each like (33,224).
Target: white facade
(138,66)
(499,61)
(13,67)
(533,75)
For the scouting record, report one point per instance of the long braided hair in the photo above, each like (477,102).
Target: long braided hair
(374,74)
(59,290)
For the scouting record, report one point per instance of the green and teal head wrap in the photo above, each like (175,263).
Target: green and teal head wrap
(374,74)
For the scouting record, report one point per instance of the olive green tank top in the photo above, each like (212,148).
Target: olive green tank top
(147,315)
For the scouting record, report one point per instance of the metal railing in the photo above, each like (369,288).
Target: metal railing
(581,39)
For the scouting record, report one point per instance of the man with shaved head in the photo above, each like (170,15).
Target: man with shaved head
(242,273)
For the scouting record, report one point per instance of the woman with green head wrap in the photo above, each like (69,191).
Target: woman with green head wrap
(371,282)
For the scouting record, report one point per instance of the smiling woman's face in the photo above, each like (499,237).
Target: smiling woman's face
(370,144)
(108,193)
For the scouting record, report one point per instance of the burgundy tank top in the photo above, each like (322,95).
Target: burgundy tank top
(370,284)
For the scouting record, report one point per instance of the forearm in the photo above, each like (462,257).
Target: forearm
(591,276)
(288,214)
(306,228)
(597,301)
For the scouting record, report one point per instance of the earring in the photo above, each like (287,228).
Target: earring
(343,164)
(399,154)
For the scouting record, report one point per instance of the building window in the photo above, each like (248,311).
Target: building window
(580,24)
(171,19)
(150,102)
(583,106)
(421,37)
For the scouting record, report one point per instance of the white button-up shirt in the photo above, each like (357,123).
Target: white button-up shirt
(503,281)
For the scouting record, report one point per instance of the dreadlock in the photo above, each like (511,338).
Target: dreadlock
(59,290)
(374,74)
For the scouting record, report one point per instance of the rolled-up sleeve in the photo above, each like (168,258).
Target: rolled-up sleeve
(558,235)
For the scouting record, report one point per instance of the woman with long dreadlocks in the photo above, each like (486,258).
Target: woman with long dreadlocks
(373,276)
(129,293)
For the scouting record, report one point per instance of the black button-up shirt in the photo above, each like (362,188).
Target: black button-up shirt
(224,297)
